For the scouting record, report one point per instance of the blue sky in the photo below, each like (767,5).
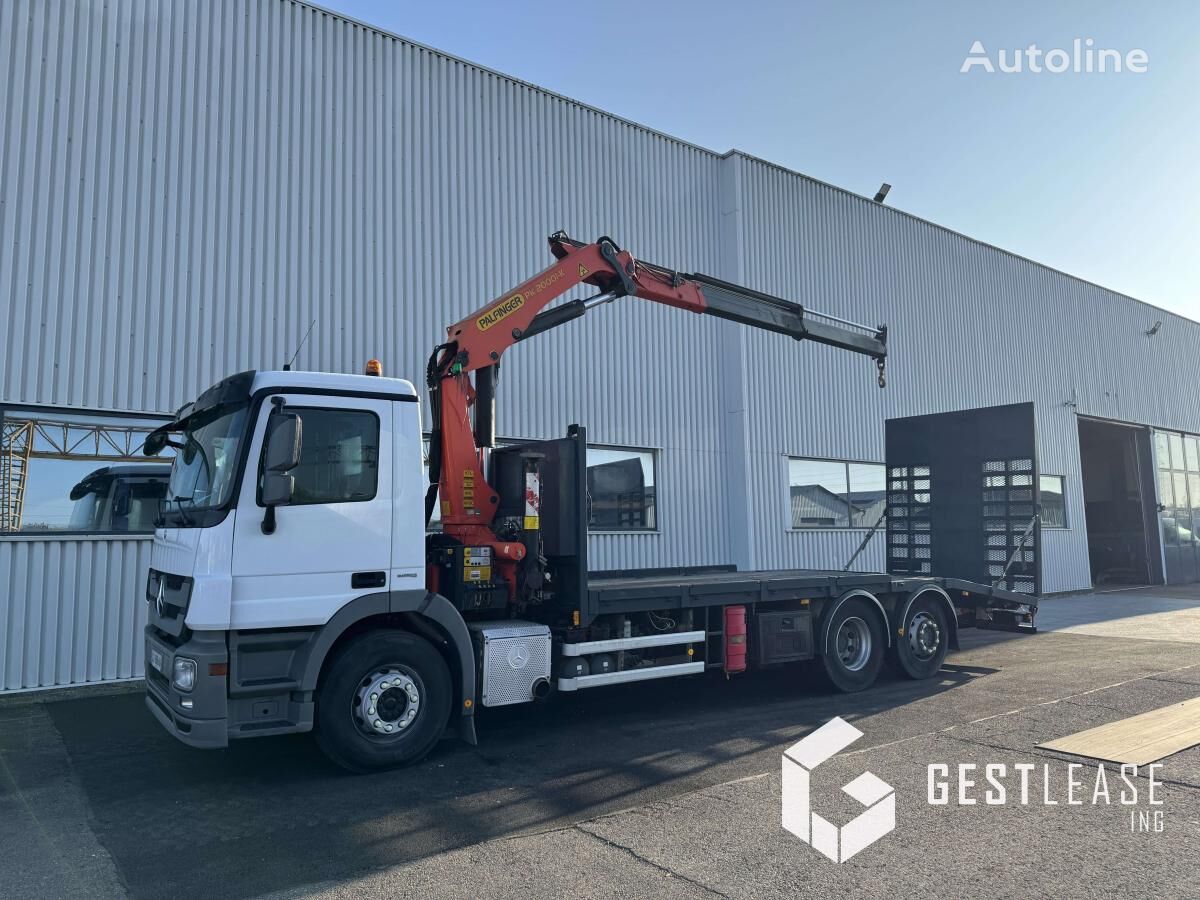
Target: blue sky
(1094,174)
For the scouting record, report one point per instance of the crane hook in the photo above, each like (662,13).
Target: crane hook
(881,364)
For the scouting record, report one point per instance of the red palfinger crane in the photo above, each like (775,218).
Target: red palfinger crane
(476,344)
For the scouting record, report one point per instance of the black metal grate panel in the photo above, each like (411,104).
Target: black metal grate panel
(908,523)
(1008,510)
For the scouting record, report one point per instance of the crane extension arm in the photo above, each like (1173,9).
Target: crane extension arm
(480,339)
(477,343)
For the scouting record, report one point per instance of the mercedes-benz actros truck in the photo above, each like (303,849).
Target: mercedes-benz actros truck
(295,586)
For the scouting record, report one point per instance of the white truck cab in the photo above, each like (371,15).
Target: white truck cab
(244,587)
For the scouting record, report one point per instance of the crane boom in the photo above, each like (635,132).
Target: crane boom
(476,344)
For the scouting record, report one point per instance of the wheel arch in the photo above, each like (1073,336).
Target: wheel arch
(947,605)
(827,618)
(427,615)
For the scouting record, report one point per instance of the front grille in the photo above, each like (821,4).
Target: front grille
(168,597)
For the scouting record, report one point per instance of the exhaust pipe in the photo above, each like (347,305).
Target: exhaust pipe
(541,689)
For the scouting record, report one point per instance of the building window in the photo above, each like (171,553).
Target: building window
(827,493)
(76,473)
(621,490)
(339,456)
(1054,500)
(435,519)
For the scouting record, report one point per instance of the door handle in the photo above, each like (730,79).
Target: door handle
(368,579)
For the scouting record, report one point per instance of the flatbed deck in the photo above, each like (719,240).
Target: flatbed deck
(652,589)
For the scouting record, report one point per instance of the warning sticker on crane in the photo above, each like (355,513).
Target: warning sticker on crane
(533,500)
(477,564)
(500,312)
(583,272)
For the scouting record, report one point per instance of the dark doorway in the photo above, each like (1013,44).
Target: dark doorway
(1118,502)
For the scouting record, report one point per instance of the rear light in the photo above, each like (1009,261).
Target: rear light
(218,668)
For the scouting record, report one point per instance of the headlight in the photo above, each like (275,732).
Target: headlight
(185,673)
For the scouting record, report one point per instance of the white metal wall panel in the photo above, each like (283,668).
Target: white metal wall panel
(71,611)
(194,183)
(970,326)
(185,186)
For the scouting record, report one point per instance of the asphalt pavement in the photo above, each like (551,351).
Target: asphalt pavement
(662,789)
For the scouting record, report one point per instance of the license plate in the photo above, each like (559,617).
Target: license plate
(156,660)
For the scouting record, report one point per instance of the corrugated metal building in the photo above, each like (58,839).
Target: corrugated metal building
(185,187)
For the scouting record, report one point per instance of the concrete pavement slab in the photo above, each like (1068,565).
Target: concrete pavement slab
(566,862)
(1131,615)
(508,817)
(47,843)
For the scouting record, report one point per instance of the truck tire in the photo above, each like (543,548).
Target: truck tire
(383,702)
(854,651)
(920,651)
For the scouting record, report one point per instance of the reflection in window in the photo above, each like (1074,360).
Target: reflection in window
(832,494)
(621,490)
(1054,502)
(818,491)
(1178,460)
(339,456)
(70,472)
(867,496)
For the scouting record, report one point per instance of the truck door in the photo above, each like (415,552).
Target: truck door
(332,543)
(962,497)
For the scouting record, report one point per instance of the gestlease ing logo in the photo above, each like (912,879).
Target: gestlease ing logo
(1061,782)
(839,844)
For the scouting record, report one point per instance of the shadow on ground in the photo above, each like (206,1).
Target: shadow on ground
(272,814)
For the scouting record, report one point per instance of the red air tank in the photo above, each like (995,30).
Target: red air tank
(735,639)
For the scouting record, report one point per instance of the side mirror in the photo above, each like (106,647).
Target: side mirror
(277,488)
(284,436)
(155,442)
(281,454)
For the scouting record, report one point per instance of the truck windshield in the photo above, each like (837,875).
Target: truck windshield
(205,463)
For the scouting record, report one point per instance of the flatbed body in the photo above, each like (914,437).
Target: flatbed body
(697,591)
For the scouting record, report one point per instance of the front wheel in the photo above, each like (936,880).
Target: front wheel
(921,644)
(383,702)
(853,654)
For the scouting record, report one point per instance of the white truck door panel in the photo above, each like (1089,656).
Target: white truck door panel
(409,483)
(339,522)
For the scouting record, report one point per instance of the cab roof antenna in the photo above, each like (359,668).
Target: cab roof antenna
(287,366)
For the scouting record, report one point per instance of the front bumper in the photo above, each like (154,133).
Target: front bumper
(205,724)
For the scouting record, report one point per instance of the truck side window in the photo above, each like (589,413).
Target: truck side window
(339,456)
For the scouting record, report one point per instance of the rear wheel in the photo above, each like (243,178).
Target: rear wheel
(921,648)
(384,701)
(853,653)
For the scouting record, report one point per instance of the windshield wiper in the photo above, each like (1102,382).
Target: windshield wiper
(187,520)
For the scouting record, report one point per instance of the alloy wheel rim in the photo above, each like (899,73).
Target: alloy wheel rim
(386,702)
(924,636)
